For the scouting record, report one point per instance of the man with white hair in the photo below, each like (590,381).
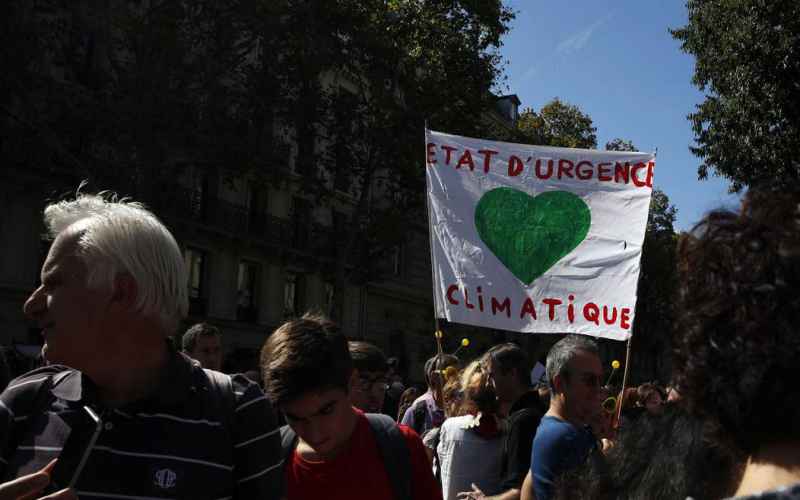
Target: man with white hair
(113,290)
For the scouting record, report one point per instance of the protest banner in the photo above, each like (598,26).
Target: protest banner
(536,239)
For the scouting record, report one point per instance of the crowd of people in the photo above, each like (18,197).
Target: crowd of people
(324,417)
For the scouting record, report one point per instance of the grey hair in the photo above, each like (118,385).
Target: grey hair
(563,352)
(119,236)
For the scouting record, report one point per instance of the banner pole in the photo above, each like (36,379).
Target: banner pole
(438,395)
(621,398)
(437,332)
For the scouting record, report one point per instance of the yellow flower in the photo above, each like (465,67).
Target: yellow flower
(464,342)
(438,334)
(615,364)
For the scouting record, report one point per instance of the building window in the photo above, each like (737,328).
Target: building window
(342,166)
(329,296)
(198,201)
(301,217)
(397,260)
(196,266)
(345,104)
(256,209)
(292,295)
(247,292)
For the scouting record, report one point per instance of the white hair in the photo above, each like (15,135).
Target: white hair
(120,236)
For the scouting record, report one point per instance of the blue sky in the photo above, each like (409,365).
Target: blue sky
(618,63)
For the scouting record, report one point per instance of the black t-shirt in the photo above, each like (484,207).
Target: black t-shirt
(523,420)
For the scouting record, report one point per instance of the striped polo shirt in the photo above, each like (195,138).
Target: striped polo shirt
(183,441)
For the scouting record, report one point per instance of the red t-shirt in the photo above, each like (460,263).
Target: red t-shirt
(358,472)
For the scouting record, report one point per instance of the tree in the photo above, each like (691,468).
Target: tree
(557,124)
(748,127)
(356,82)
(657,283)
(620,145)
(126,93)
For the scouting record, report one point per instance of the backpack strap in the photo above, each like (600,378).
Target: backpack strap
(288,444)
(395,453)
(221,386)
(391,444)
(418,421)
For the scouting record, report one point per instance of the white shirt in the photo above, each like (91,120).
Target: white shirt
(465,458)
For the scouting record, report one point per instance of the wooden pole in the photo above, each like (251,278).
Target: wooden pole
(437,395)
(621,398)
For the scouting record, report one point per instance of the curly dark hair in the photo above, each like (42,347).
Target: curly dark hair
(657,457)
(737,343)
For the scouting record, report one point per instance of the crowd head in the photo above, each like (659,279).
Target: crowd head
(203,342)
(370,381)
(112,236)
(574,374)
(508,369)
(112,267)
(737,342)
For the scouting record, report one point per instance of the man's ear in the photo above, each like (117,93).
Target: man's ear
(126,290)
(558,383)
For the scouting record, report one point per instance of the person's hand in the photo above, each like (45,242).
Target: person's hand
(475,494)
(30,487)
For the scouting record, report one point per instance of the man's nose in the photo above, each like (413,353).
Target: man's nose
(35,305)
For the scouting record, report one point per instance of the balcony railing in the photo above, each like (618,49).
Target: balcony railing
(219,215)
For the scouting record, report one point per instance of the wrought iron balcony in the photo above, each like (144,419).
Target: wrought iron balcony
(215,214)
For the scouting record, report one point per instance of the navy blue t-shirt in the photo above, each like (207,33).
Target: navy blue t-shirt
(558,447)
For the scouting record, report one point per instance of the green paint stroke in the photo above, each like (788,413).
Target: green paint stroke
(530,234)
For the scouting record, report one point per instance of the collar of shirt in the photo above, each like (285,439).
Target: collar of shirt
(172,389)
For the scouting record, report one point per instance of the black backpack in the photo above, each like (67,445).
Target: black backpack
(392,446)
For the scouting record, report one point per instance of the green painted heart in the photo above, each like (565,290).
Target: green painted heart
(530,234)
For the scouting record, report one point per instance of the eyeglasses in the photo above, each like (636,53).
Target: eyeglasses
(377,384)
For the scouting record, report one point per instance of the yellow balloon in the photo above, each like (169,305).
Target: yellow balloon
(465,342)
(615,364)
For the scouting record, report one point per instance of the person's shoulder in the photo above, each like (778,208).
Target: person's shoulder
(552,429)
(525,416)
(423,399)
(244,387)
(33,380)
(409,434)
(459,422)
(24,392)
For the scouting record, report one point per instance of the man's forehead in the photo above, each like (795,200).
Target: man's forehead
(63,252)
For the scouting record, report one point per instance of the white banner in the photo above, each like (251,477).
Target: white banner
(536,239)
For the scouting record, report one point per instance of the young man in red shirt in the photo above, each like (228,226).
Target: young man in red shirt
(333,450)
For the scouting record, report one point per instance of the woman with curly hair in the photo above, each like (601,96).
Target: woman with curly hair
(737,357)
